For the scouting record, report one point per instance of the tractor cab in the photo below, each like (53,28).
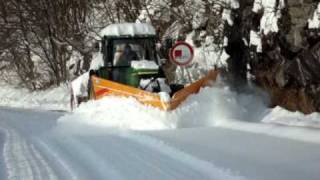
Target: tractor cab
(129,54)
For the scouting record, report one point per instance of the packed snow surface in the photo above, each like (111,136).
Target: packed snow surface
(34,145)
(128,29)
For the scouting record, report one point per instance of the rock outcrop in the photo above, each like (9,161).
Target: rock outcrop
(288,67)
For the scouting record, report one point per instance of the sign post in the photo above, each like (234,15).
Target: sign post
(181,54)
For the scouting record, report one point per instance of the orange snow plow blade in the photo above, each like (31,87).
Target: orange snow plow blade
(102,87)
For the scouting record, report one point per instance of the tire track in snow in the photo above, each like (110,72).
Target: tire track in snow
(90,161)
(23,160)
(16,164)
(56,158)
(159,161)
(48,172)
(3,174)
(205,167)
(131,159)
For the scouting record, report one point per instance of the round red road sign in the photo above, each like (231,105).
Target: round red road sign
(181,53)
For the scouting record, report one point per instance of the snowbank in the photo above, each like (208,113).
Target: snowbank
(121,113)
(281,116)
(52,99)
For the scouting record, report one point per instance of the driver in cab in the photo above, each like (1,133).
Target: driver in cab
(124,58)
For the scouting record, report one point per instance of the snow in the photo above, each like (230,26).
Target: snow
(314,22)
(155,10)
(38,147)
(164,85)
(97,61)
(201,165)
(218,106)
(144,64)
(128,29)
(209,55)
(199,16)
(79,86)
(271,14)
(144,17)
(255,39)
(267,5)
(234,4)
(149,84)
(56,98)
(226,15)
(22,159)
(216,134)
(164,96)
(281,116)
(213,107)
(238,150)
(206,57)
(121,113)
(268,22)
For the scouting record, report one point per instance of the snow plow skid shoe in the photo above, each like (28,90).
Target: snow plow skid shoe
(102,87)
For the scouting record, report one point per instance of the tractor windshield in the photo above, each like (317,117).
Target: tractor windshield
(127,50)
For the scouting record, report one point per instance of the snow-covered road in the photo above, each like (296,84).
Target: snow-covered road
(35,146)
